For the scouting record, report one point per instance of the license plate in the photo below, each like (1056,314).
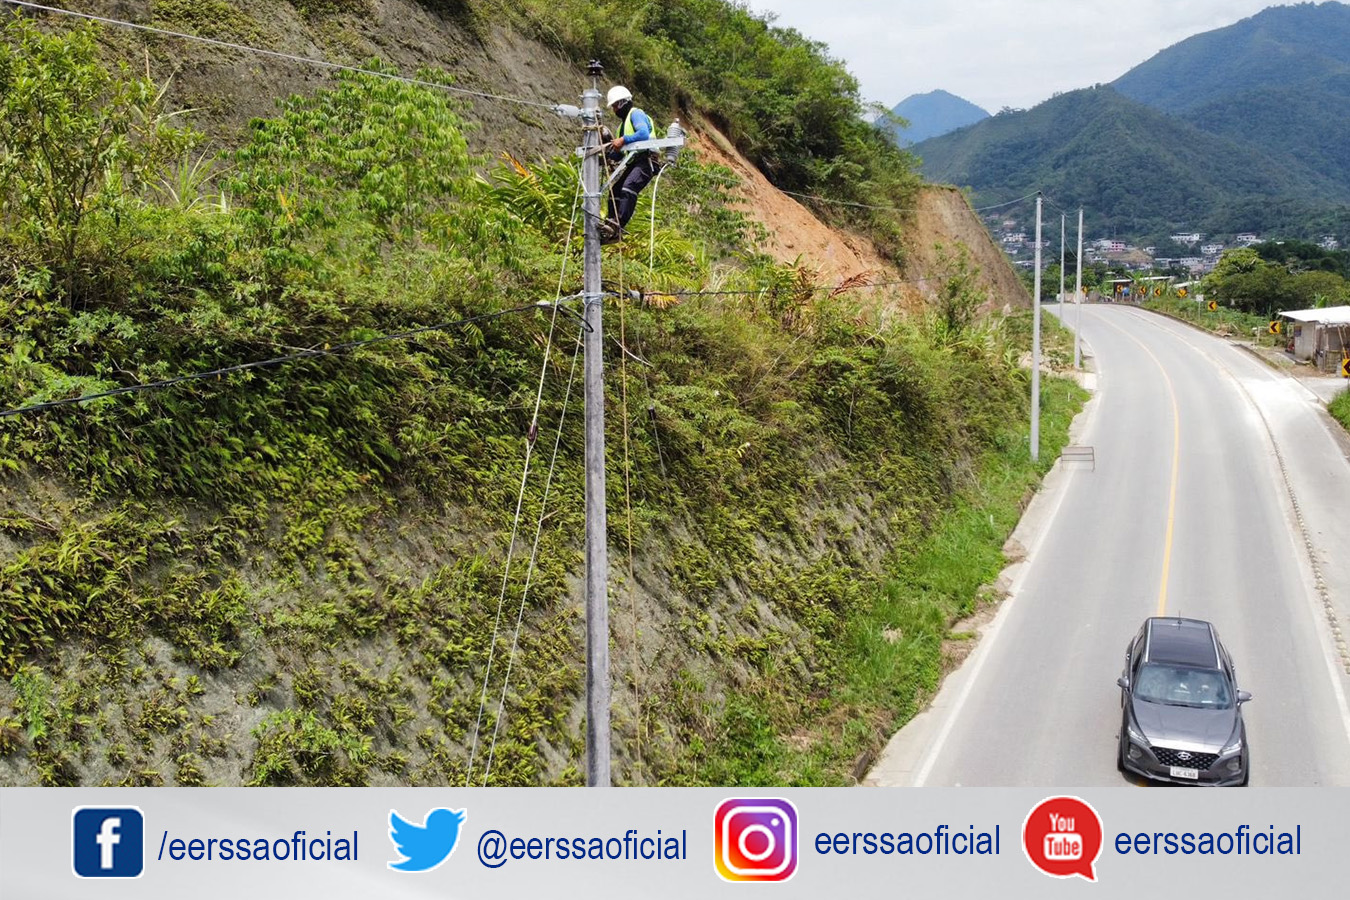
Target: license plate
(1180,772)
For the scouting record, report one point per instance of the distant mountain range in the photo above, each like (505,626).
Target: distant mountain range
(1246,128)
(934,114)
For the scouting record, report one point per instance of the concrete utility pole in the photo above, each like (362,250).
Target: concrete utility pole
(1036,344)
(1063,217)
(597,539)
(1078,294)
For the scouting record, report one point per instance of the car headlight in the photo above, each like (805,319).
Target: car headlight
(1135,734)
(1234,745)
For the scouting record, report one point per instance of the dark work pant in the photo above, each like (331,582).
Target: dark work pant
(625,197)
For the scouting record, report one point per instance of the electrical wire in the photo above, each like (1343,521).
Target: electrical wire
(332,350)
(484,95)
(1009,203)
(276,54)
(834,202)
(520,501)
(529,573)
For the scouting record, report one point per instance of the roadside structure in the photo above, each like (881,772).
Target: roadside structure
(1320,336)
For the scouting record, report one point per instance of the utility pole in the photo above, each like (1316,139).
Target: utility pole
(1078,294)
(1062,217)
(1036,344)
(597,539)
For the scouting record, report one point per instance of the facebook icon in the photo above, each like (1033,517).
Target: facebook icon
(108,843)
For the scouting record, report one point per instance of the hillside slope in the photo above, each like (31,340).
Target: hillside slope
(1309,122)
(295,574)
(941,217)
(1142,172)
(1281,46)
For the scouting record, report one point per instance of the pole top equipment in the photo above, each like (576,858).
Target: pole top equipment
(595,69)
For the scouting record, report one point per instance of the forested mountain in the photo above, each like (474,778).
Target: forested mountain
(934,114)
(1280,46)
(1141,172)
(1246,128)
(1308,122)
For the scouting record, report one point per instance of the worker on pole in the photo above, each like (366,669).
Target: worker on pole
(639,168)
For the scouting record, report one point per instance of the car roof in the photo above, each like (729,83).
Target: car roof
(1187,642)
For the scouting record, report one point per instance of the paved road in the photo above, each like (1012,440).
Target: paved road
(1188,511)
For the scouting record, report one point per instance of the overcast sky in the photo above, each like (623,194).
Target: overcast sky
(998,53)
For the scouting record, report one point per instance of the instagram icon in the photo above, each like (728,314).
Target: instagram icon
(756,839)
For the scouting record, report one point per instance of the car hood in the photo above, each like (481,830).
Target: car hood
(1184,727)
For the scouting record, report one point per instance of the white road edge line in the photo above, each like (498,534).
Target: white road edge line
(1287,500)
(984,648)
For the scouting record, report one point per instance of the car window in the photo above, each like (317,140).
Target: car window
(1183,686)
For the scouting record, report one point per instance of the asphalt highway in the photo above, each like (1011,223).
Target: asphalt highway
(1217,494)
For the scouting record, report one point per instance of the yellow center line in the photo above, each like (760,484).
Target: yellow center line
(1176,468)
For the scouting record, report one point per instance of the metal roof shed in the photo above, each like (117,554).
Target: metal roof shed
(1320,335)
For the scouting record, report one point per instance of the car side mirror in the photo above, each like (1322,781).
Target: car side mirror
(1125,683)
(1244,696)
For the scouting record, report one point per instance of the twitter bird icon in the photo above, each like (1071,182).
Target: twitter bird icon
(425,846)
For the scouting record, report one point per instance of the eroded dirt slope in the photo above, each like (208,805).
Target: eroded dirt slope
(943,219)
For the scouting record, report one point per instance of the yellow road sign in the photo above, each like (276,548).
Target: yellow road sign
(1181,292)
(1276,327)
(1345,367)
(1213,305)
(1157,292)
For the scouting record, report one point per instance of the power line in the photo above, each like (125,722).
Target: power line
(309,60)
(1009,203)
(333,350)
(834,202)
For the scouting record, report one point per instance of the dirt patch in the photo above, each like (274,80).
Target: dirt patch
(227,88)
(944,218)
(792,231)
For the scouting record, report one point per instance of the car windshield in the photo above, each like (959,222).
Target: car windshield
(1182,686)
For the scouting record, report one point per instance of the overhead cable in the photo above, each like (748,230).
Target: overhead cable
(276,54)
(834,202)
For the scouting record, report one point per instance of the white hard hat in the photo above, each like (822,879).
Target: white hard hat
(617,93)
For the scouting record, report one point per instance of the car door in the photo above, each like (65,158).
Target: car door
(1134,654)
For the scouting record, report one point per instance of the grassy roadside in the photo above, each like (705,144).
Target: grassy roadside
(1222,321)
(895,652)
(1340,408)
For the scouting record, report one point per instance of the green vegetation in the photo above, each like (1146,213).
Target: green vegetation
(1289,45)
(208,18)
(898,644)
(1271,278)
(1245,128)
(791,108)
(1138,172)
(1340,408)
(291,575)
(1224,321)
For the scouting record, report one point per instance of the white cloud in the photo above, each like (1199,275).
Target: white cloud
(998,52)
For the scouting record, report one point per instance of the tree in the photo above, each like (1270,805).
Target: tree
(75,140)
